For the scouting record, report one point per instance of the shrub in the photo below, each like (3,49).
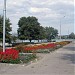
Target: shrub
(20,47)
(25,58)
(1,48)
(43,51)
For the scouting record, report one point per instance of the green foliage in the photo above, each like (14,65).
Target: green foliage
(72,36)
(17,61)
(1,49)
(51,33)
(42,33)
(42,51)
(14,38)
(7,29)
(23,58)
(27,57)
(28,28)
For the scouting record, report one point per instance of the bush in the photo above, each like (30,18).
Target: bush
(17,61)
(25,58)
(1,49)
(42,51)
(20,47)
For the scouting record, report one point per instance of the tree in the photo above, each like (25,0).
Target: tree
(29,28)
(42,33)
(7,29)
(14,37)
(51,33)
(72,36)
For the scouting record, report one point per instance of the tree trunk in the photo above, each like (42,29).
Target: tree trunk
(38,40)
(30,40)
(41,41)
(22,41)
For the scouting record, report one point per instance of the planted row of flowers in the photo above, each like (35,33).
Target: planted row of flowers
(63,43)
(12,55)
(36,47)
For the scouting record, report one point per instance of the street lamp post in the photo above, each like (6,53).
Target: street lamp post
(60,28)
(68,34)
(4,17)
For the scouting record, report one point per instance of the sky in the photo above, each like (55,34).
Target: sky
(48,12)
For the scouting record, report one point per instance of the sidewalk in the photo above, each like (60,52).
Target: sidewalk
(60,62)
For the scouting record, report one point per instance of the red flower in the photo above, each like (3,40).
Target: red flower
(30,48)
(9,54)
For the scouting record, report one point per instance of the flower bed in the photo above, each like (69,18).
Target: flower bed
(63,43)
(12,55)
(25,58)
(35,48)
(41,48)
(9,56)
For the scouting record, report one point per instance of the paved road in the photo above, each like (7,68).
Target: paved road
(60,62)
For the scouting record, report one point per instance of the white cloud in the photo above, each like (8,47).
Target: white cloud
(38,10)
(48,12)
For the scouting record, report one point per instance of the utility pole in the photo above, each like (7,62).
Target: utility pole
(60,29)
(4,17)
(68,33)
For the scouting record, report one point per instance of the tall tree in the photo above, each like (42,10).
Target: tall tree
(14,37)
(72,36)
(29,28)
(7,29)
(51,33)
(42,33)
